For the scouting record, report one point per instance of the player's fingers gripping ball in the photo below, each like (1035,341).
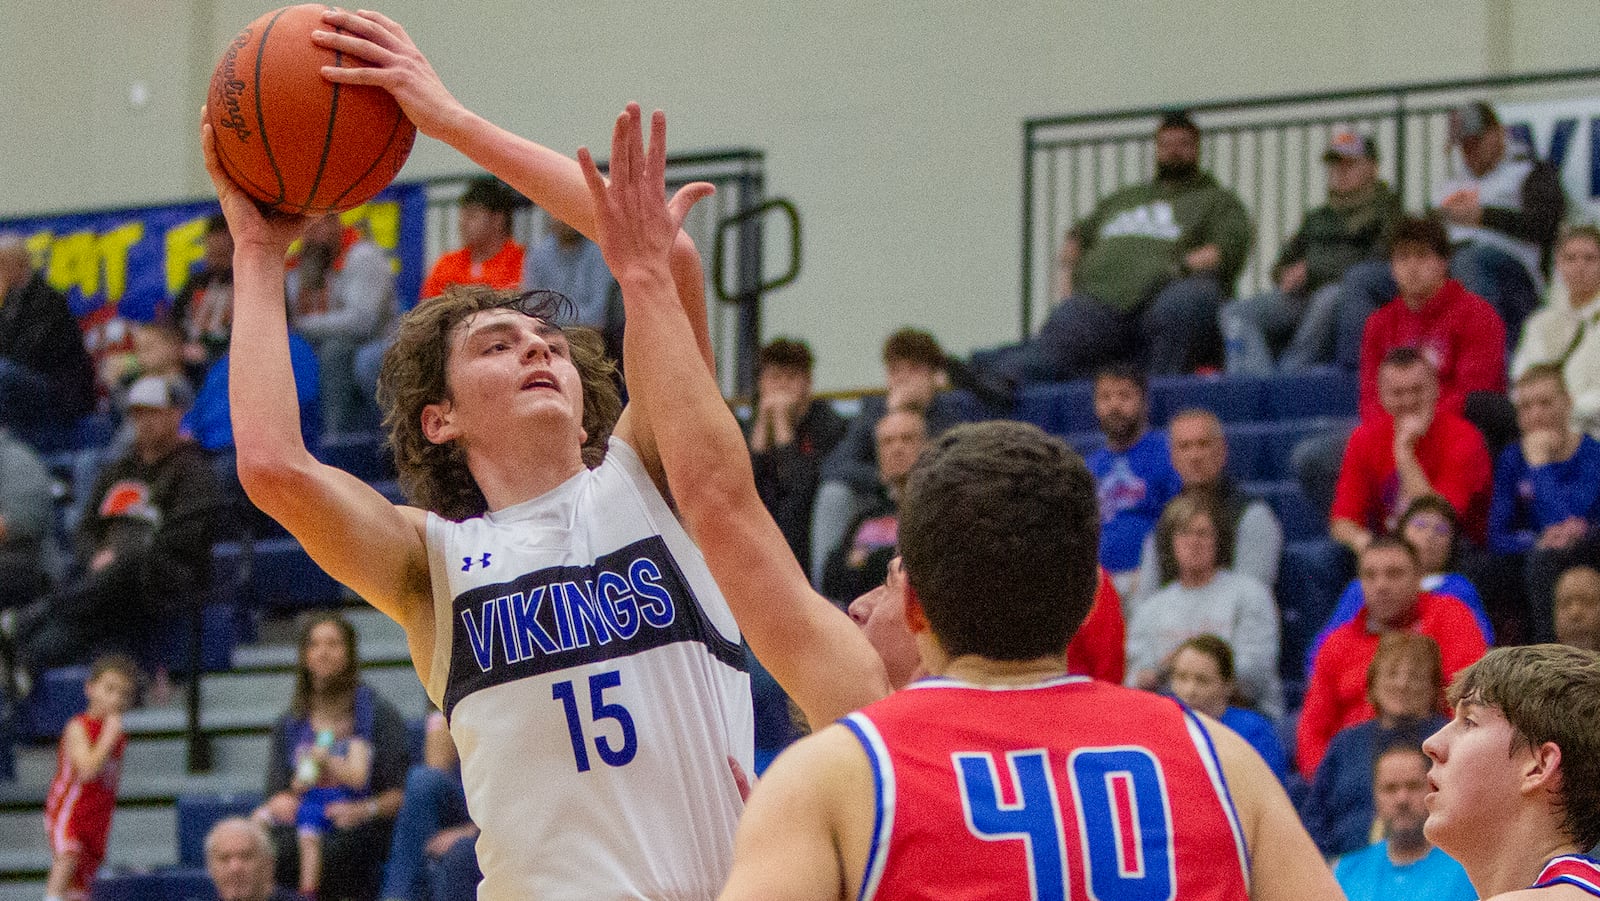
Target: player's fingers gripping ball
(290,138)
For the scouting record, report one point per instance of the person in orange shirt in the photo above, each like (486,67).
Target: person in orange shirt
(487,256)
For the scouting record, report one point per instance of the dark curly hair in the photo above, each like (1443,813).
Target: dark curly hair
(435,476)
(999,535)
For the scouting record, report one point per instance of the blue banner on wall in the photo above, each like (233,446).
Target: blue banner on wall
(127,264)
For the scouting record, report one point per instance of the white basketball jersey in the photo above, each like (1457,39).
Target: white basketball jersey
(595,686)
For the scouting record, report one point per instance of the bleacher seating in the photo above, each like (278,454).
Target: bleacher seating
(56,698)
(198,813)
(162,885)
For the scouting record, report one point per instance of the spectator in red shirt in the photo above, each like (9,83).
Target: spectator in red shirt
(1458,331)
(1336,695)
(487,256)
(1412,447)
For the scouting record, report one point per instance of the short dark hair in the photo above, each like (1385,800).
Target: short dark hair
(121,664)
(1178,118)
(1393,542)
(215,223)
(1016,580)
(1213,646)
(785,353)
(1548,693)
(1540,372)
(1426,232)
(495,196)
(1404,357)
(913,345)
(1397,746)
(1433,503)
(1126,372)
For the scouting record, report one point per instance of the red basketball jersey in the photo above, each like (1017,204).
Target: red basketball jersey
(78,812)
(1571,869)
(1070,789)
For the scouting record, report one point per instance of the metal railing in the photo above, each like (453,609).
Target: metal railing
(1267,149)
(735,310)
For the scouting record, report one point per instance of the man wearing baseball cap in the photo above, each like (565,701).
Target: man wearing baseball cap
(144,550)
(1503,210)
(1292,326)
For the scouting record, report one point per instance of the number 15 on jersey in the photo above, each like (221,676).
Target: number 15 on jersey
(1118,799)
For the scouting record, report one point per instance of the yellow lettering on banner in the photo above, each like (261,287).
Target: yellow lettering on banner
(185,246)
(383,222)
(39,248)
(75,263)
(113,249)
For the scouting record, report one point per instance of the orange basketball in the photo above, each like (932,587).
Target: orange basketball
(289,137)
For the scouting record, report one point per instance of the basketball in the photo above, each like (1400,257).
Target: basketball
(293,140)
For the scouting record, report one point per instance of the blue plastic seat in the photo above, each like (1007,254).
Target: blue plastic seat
(1316,392)
(57,697)
(1309,581)
(196,814)
(1247,451)
(1232,398)
(1059,408)
(362,454)
(283,576)
(218,635)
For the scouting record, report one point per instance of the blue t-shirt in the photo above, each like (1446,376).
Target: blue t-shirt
(1527,499)
(1133,486)
(1369,875)
(1258,731)
(209,420)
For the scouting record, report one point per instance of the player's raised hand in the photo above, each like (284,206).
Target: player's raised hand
(635,223)
(393,63)
(249,226)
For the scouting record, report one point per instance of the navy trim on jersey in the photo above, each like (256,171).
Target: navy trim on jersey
(629,601)
(1212,759)
(1584,860)
(883,794)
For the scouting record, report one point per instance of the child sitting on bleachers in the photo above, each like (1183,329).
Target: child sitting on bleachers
(331,768)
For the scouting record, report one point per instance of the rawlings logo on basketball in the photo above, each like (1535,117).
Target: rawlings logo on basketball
(232,89)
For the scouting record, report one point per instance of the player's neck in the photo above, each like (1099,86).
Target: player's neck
(1513,857)
(532,469)
(984,671)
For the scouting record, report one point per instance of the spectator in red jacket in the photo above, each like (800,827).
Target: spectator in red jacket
(1336,695)
(1458,331)
(1412,447)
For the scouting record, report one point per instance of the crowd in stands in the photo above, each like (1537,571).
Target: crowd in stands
(1466,494)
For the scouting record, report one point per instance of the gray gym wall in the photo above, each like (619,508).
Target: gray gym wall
(895,126)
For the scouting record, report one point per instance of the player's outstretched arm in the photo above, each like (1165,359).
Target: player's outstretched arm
(548,178)
(349,529)
(1285,864)
(805,833)
(810,646)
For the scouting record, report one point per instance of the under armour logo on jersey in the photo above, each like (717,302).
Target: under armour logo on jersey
(466,562)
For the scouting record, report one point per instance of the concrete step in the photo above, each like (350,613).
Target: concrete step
(383,650)
(147,761)
(141,838)
(22,890)
(254,700)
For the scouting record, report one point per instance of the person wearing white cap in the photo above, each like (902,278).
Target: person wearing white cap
(1504,209)
(145,546)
